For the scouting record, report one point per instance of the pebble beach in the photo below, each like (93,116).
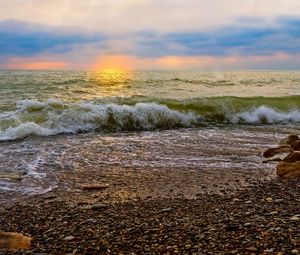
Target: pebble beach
(261,219)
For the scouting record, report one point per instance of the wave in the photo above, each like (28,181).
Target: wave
(32,117)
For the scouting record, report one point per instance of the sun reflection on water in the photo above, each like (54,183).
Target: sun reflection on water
(110,82)
(111,77)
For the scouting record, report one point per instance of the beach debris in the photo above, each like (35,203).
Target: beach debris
(289,165)
(97,186)
(96,207)
(14,241)
(11,176)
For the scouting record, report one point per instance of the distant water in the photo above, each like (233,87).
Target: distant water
(46,103)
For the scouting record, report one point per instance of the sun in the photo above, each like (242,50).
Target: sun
(113,63)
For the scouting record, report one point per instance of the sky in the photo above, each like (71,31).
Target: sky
(150,34)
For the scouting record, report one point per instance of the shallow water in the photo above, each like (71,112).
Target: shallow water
(40,160)
(56,122)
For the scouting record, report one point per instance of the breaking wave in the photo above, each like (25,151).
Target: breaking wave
(36,118)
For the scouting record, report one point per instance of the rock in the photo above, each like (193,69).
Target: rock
(271,152)
(296,145)
(69,238)
(289,139)
(14,241)
(295,251)
(292,157)
(248,202)
(288,170)
(98,186)
(247,224)
(272,159)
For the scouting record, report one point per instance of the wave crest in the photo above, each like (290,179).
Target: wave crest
(56,117)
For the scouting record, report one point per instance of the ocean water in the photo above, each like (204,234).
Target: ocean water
(52,121)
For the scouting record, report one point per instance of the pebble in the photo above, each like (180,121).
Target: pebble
(269,250)
(252,249)
(69,238)
(247,224)
(232,227)
(248,202)
(295,218)
(269,200)
(166,209)
(295,251)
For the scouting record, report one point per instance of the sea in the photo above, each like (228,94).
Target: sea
(67,121)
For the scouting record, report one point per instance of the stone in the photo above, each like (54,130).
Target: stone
(276,158)
(247,224)
(288,170)
(295,217)
(14,241)
(271,152)
(232,228)
(292,157)
(69,238)
(166,209)
(294,251)
(296,145)
(251,249)
(269,200)
(289,139)
(269,250)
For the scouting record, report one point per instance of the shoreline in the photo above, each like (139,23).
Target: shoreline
(254,220)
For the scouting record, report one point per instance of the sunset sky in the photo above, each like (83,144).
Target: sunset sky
(150,34)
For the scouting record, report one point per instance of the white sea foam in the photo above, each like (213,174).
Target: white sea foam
(55,117)
(264,114)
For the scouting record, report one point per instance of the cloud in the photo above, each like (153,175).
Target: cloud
(27,39)
(135,15)
(230,40)
(72,47)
